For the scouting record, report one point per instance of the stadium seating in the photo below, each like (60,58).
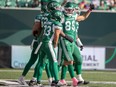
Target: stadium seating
(21,3)
(29,2)
(2,3)
(11,3)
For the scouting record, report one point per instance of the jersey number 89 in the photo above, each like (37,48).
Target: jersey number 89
(70,25)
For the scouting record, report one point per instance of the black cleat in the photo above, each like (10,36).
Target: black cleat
(32,83)
(56,83)
(83,82)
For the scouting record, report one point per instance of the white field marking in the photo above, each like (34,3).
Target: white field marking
(97,82)
(67,72)
(100,72)
(102,82)
(15,70)
(10,81)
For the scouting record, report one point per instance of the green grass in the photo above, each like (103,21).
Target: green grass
(107,76)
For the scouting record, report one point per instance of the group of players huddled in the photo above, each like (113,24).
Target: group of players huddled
(56,46)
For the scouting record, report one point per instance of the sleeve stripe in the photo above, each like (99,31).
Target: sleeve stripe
(37,20)
(58,27)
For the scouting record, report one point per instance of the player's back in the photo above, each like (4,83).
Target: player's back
(49,28)
(44,18)
(48,31)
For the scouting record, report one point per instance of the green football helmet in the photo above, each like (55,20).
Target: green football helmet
(69,8)
(44,8)
(53,5)
(57,15)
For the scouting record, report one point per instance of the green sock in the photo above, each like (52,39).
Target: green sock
(78,69)
(54,68)
(48,72)
(71,70)
(63,72)
(39,71)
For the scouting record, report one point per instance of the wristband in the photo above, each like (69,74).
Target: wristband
(69,38)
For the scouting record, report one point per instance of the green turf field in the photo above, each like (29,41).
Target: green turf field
(96,78)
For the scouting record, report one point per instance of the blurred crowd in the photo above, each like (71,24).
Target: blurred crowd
(83,4)
(99,4)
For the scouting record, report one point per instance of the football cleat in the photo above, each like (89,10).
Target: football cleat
(32,83)
(21,81)
(39,84)
(56,83)
(83,82)
(63,82)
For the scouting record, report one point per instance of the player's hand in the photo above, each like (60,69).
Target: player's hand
(81,47)
(91,6)
(35,33)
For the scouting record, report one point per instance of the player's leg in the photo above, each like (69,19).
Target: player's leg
(68,59)
(78,64)
(49,72)
(63,74)
(31,61)
(64,68)
(59,57)
(36,79)
(43,63)
(50,51)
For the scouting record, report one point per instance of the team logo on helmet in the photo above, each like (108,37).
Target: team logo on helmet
(53,5)
(57,15)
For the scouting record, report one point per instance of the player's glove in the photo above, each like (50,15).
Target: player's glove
(91,7)
(69,38)
(81,47)
(35,33)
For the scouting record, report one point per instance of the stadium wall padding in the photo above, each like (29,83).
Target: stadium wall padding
(5,57)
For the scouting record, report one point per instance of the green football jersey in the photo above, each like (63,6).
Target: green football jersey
(43,18)
(76,27)
(69,25)
(76,30)
(38,17)
(49,27)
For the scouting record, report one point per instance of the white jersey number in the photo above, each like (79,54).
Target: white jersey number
(70,25)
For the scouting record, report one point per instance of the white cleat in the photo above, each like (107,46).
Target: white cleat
(22,81)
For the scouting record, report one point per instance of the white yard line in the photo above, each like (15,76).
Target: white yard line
(9,81)
(102,82)
(15,70)
(67,72)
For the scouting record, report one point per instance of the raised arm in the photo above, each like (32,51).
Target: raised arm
(86,14)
